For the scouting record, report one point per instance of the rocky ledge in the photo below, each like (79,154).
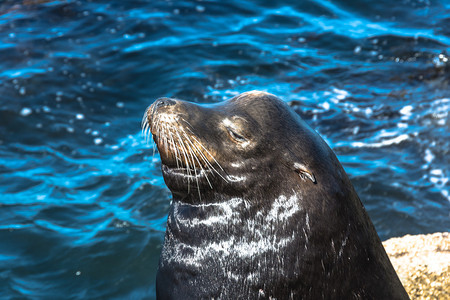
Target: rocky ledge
(422,263)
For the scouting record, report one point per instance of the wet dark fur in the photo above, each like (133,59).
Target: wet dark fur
(327,249)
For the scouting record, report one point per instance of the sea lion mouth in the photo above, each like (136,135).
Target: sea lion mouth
(182,181)
(184,173)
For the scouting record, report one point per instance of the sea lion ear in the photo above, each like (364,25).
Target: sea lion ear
(304,172)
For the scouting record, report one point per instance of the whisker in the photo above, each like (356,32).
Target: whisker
(193,136)
(145,117)
(157,134)
(166,140)
(193,164)
(210,166)
(177,159)
(143,125)
(186,159)
(195,150)
(145,131)
(148,134)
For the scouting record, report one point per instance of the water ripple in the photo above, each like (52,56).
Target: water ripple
(83,203)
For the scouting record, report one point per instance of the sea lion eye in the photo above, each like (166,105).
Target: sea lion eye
(236,136)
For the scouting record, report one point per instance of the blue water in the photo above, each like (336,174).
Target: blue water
(82,201)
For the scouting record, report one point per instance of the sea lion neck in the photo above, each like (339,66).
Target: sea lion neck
(193,224)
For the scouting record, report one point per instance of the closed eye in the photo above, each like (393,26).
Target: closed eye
(236,136)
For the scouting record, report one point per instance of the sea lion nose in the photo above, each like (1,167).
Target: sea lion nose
(161,102)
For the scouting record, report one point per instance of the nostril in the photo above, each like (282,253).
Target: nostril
(164,102)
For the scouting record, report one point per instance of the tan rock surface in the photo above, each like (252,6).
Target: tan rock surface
(422,263)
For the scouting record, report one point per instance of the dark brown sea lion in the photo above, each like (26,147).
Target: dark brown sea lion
(262,208)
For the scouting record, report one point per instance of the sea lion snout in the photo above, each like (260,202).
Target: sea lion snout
(161,102)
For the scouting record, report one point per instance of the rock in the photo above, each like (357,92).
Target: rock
(422,263)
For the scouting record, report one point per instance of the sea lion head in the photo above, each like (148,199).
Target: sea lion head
(244,145)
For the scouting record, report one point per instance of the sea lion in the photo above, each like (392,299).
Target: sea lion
(262,208)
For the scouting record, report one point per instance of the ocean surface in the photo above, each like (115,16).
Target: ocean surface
(83,205)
